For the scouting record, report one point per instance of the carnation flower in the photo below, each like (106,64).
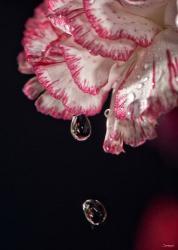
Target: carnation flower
(81,50)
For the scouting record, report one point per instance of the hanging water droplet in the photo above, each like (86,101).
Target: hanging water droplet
(106,112)
(80,127)
(94,212)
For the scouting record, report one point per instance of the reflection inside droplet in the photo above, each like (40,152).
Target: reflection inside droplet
(80,127)
(94,212)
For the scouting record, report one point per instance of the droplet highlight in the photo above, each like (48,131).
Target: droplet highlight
(107,112)
(95,212)
(80,127)
(145,66)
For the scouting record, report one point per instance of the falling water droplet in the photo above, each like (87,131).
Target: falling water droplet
(80,127)
(94,212)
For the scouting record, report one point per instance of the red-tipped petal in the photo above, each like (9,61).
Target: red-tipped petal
(120,132)
(133,133)
(86,36)
(60,12)
(56,78)
(32,89)
(152,85)
(38,34)
(37,39)
(54,5)
(48,105)
(24,66)
(112,21)
(89,72)
(41,11)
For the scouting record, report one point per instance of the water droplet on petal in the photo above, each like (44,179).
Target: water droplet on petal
(80,127)
(140,85)
(146,66)
(94,212)
(131,97)
(145,79)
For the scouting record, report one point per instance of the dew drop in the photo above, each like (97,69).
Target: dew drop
(145,79)
(80,127)
(146,66)
(140,85)
(131,97)
(94,212)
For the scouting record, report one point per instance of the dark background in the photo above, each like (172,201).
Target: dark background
(45,175)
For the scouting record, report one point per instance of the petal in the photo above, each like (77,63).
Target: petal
(40,12)
(24,66)
(53,52)
(54,5)
(170,14)
(38,35)
(48,105)
(119,72)
(153,10)
(176,20)
(111,20)
(152,85)
(32,89)
(89,72)
(87,37)
(143,3)
(56,78)
(60,12)
(133,133)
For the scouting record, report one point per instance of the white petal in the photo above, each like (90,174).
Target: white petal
(56,78)
(86,36)
(60,12)
(24,66)
(170,14)
(32,89)
(89,72)
(38,35)
(133,133)
(111,20)
(152,85)
(48,105)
